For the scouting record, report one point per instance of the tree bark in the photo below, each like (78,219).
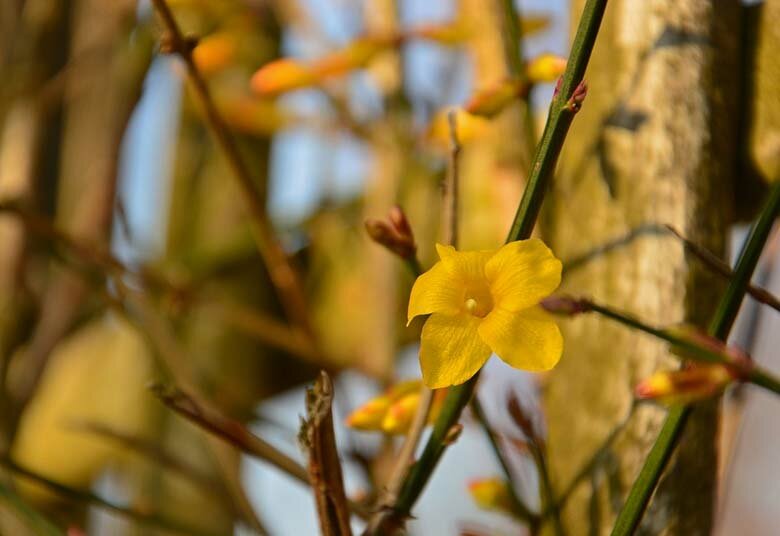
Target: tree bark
(656,142)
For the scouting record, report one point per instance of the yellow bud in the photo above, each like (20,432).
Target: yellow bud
(686,385)
(491,494)
(531,24)
(252,116)
(355,55)
(452,33)
(394,410)
(400,414)
(369,416)
(492,99)
(545,68)
(281,76)
(469,128)
(215,52)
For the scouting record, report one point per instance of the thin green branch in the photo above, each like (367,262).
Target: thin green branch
(518,505)
(513,48)
(708,258)
(639,497)
(562,109)
(33,519)
(745,370)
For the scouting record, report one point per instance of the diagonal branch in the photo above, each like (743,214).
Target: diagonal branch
(283,276)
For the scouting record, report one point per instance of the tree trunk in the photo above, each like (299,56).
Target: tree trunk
(655,143)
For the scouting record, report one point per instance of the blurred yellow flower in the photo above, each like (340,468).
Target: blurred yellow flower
(491,494)
(280,76)
(545,68)
(483,301)
(393,411)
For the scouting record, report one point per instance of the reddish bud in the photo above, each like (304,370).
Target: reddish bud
(575,102)
(565,305)
(395,233)
(685,386)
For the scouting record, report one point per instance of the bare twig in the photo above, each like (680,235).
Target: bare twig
(229,430)
(262,326)
(708,258)
(141,516)
(318,439)
(283,276)
(154,452)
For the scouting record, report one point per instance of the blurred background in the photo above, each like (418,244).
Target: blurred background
(127,256)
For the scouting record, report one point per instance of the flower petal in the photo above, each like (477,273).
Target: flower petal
(442,289)
(451,350)
(522,273)
(434,292)
(528,340)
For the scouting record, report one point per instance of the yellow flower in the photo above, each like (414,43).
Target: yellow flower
(483,301)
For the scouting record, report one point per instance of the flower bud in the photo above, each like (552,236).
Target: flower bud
(452,33)
(469,127)
(356,55)
(736,359)
(394,411)
(400,414)
(281,76)
(545,68)
(395,233)
(491,100)
(491,494)
(564,305)
(684,386)
(215,52)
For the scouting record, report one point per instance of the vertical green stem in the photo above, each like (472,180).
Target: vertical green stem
(720,326)
(513,47)
(558,122)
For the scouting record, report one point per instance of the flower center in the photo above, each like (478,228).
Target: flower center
(478,304)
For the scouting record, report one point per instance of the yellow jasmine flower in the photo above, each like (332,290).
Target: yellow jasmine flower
(482,302)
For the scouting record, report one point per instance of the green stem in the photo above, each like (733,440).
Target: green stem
(545,158)
(33,519)
(549,504)
(518,506)
(513,46)
(639,497)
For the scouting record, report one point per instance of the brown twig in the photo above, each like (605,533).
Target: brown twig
(318,439)
(283,276)
(153,452)
(264,327)
(231,431)
(141,516)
